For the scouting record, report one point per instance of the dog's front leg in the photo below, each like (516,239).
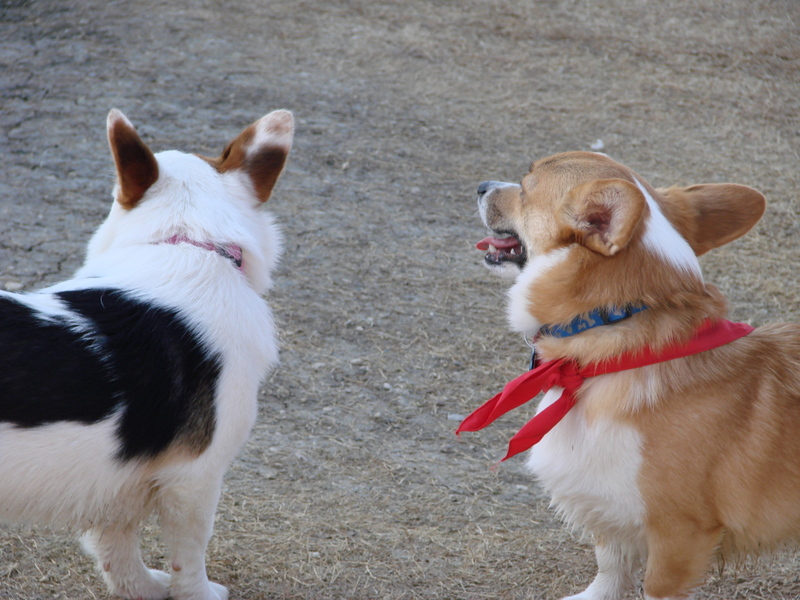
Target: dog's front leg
(117,551)
(679,555)
(186,509)
(614,575)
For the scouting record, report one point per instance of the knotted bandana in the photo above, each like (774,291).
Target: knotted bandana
(566,374)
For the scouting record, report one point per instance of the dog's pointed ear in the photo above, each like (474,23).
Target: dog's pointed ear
(260,151)
(602,214)
(710,215)
(136,165)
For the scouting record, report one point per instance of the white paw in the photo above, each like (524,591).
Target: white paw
(154,585)
(217,591)
(594,594)
(160,577)
(209,591)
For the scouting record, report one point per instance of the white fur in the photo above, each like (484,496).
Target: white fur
(519,295)
(45,305)
(665,241)
(598,488)
(61,470)
(506,269)
(184,201)
(271,133)
(590,471)
(615,579)
(66,473)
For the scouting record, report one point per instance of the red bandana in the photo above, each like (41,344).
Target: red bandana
(566,374)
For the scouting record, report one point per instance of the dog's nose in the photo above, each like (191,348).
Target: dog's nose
(484,187)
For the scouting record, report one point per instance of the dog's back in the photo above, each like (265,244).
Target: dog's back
(130,387)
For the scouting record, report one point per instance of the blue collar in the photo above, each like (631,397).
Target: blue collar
(592,319)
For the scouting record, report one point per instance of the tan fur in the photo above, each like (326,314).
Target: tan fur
(722,449)
(720,430)
(551,191)
(711,215)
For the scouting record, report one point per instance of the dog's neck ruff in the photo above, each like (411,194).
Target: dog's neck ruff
(230,251)
(595,318)
(568,375)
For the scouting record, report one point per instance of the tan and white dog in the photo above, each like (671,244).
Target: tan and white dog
(129,388)
(670,464)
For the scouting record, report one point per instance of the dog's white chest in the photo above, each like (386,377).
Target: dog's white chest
(590,471)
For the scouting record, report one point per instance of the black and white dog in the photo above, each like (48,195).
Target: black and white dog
(129,388)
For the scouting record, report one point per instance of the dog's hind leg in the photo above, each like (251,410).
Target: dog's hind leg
(119,558)
(615,576)
(186,509)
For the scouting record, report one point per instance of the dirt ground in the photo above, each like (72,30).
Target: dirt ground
(353,484)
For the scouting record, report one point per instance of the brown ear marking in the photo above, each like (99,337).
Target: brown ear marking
(264,167)
(260,151)
(710,215)
(137,168)
(604,213)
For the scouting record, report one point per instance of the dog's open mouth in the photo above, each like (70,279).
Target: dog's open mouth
(503,249)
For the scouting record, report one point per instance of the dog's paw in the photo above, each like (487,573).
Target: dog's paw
(159,579)
(152,585)
(209,591)
(589,594)
(217,591)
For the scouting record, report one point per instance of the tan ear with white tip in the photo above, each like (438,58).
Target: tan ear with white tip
(260,151)
(136,165)
(603,214)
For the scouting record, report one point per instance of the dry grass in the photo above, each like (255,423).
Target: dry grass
(353,485)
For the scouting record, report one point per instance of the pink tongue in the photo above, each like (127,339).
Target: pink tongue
(499,243)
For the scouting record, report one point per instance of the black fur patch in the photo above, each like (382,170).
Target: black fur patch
(128,356)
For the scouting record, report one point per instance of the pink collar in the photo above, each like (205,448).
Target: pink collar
(230,251)
(568,375)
